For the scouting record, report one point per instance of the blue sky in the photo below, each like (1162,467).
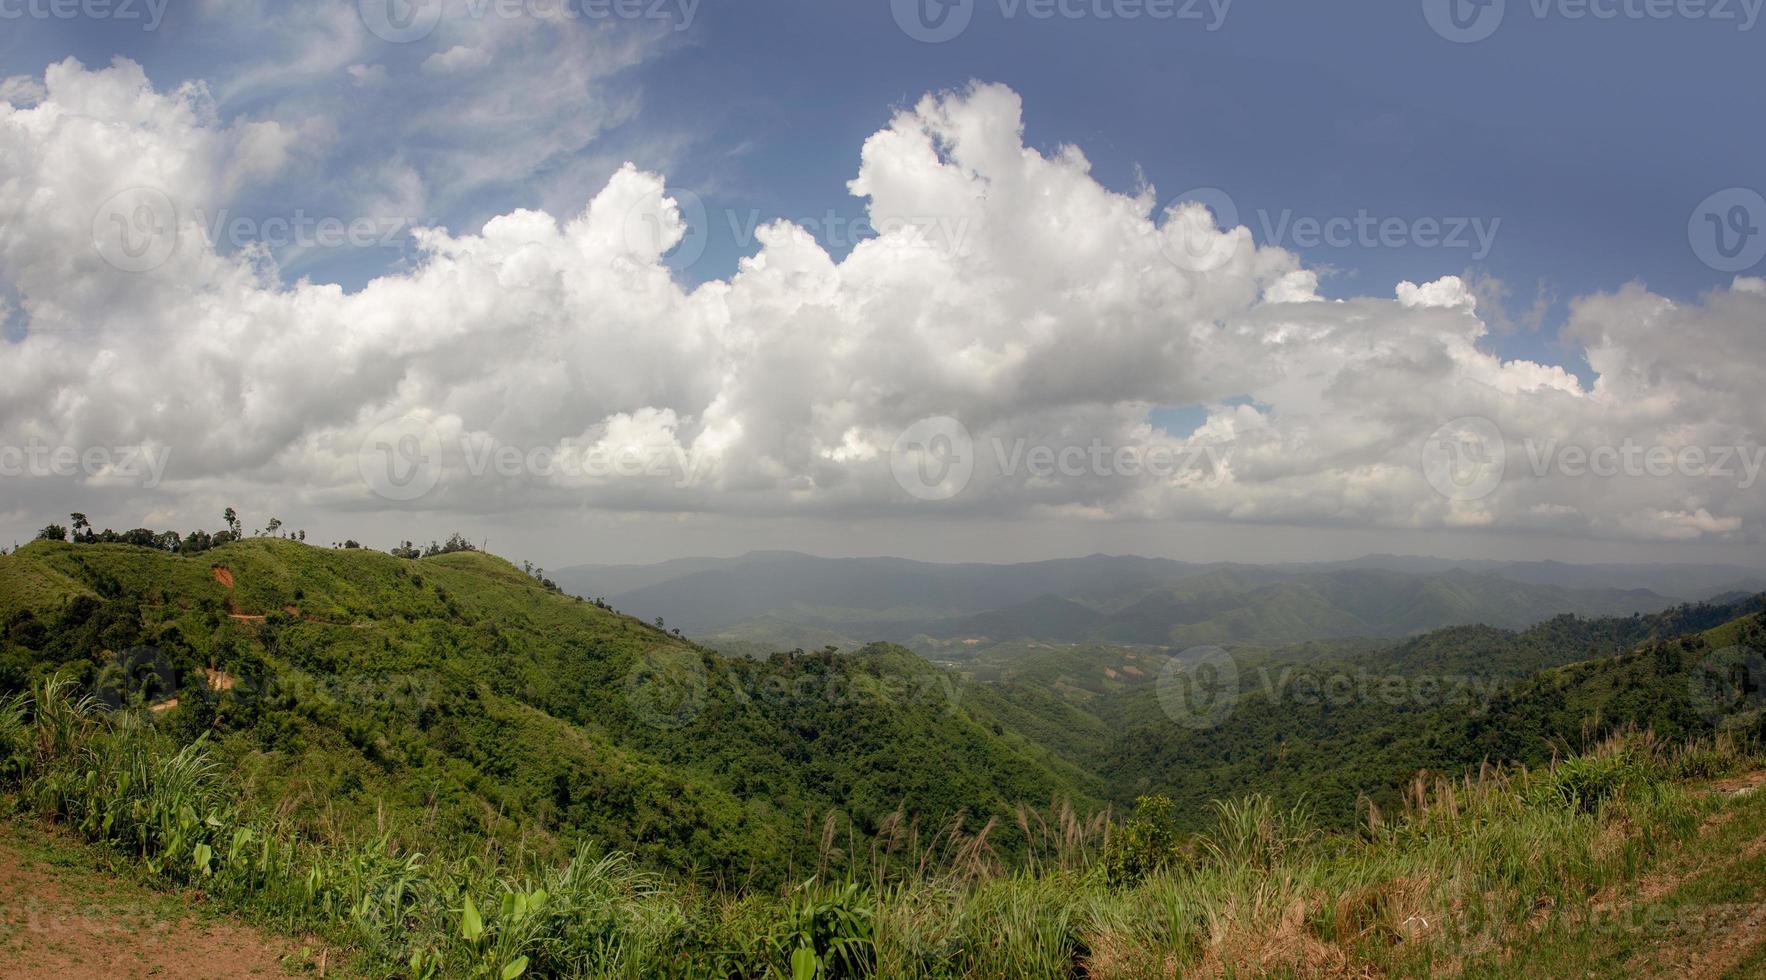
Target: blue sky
(1589,142)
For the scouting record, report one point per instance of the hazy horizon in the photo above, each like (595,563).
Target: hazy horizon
(651,541)
(885,556)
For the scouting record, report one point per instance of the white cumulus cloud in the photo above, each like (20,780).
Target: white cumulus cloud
(553,360)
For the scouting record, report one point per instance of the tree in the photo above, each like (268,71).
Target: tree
(274,525)
(232,518)
(54,532)
(456,542)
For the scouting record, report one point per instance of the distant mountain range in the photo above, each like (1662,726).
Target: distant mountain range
(780,600)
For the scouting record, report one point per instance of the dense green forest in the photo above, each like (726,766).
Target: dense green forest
(455,695)
(1340,729)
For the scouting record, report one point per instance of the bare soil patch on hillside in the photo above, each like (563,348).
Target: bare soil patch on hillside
(61,919)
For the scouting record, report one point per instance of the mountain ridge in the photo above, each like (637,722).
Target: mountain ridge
(784,599)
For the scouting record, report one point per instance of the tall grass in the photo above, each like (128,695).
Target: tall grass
(1468,864)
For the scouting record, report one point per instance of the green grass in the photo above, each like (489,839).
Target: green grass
(33,586)
(1711,887)
(1461,874)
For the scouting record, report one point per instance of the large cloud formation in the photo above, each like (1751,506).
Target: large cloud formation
(546,361)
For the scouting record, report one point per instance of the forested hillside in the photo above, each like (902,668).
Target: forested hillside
(1344,728)
(456,697)
(444,762)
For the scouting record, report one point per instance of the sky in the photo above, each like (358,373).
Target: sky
(984,280)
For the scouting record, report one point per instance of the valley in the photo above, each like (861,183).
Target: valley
(340,712)
(781,600)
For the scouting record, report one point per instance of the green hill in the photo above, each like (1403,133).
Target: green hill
(1224,608)
(445,767)
(1635,858)
(1341,729)
(455,697)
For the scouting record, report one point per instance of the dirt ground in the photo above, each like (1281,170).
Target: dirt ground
(62,918)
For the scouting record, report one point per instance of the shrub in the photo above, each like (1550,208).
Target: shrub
(1147,843)
(828,932)
(1584,783)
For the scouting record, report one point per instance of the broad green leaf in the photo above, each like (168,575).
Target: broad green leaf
(471,924)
